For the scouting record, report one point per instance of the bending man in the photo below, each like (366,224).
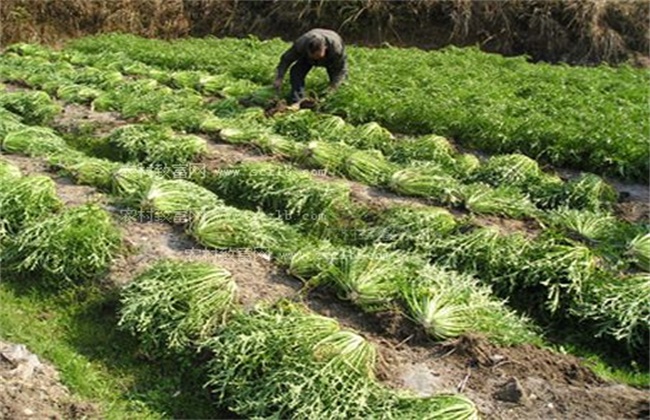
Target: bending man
(320,48)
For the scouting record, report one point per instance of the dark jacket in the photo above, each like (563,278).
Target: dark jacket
(335,59)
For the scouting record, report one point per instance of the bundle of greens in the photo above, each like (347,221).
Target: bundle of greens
(84,169)
(74,246)
(431,148)
(512,170)
(429,181)
(503,200)
(323,155)
(639,251)
(131,184)
(621,307)
(410,227)
(448,304)
(589,192)
(369,167)
(155,145)
(34,107)
(79,94)
(179,197)
(227,227)
(174,305)
(26,200)
(34,141)
(8,170)
(282,190)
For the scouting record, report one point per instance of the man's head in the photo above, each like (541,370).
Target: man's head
(317,49)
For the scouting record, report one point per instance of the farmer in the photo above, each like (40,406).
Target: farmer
(320,48)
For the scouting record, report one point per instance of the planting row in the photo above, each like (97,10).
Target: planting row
(428,167)
(587,118)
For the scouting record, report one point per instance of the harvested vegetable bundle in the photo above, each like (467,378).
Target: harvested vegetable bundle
(323,155)
(369,277)
(331,128)
(153,144)
(227,227)
(438,312)
(622,308)
(9,122)
(465,165)
(25,200)
(311,260)
(33,141)
(285,191)
(639,250)
(78,94)
(493,256)
(547,192)
(175,304)
(179,197)
(448,304)
(214,83)
(372,136)
(131,184)
(592,225)
(211,124)
(86,170)
(74,246)
(589,192)
(504,200)
(431,148)
(369,167)
(188,119)
(411,228)
(34,107)
(185,79)
(98,78)
(233,135)
(348,350)
(512,170)
(298,125)
(429,181)
(279,146)
(564,269)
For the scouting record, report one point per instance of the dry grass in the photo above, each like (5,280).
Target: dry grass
(578,31)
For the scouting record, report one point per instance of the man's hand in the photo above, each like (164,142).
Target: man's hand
(277,84)
(331,88)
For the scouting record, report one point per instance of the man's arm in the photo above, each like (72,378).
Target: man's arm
(338,72)
(287,58)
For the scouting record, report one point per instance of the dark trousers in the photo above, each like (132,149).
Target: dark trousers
(298,74)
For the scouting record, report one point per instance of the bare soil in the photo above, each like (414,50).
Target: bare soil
(75,116)
(31,389)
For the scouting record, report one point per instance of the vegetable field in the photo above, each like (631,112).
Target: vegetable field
(449,210)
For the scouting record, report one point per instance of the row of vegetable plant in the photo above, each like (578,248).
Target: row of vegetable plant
(493,103)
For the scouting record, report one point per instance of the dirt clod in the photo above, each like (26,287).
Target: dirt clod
(30,388)
(511,391)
